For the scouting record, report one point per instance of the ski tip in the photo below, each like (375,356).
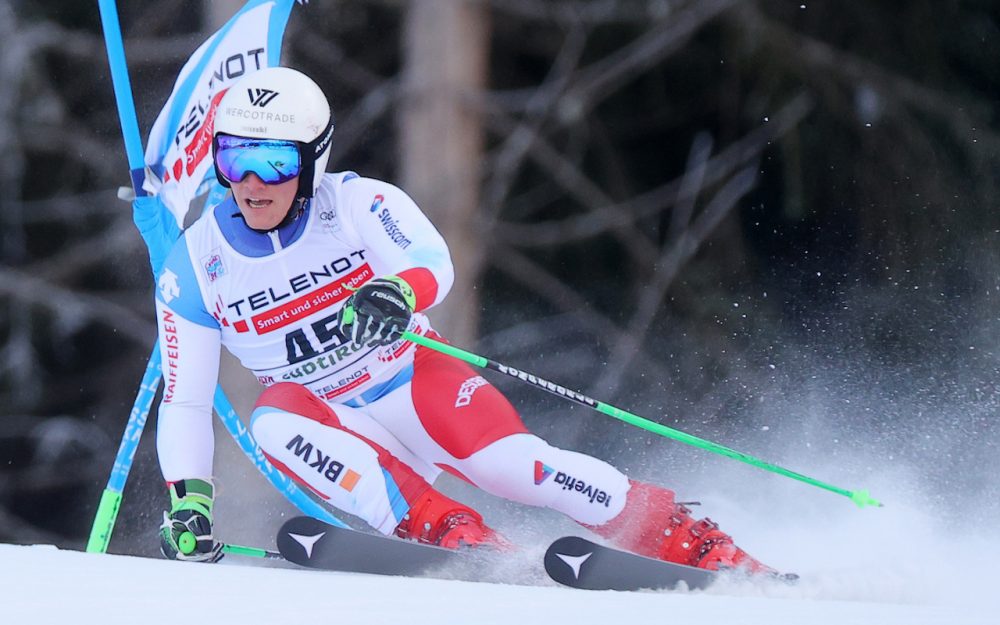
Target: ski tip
(742,573)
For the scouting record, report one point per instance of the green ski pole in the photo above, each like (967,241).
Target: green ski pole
(187,543)
(251,552)
(860,497)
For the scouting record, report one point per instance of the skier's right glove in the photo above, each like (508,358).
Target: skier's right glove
(186,533)
(377,313)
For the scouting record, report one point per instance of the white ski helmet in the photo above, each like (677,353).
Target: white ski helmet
(279,103)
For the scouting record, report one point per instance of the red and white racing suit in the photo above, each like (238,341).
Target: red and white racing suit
(367,429)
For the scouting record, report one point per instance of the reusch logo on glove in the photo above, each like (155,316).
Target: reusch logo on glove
(389,298)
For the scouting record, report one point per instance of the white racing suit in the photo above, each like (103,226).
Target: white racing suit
(366,429)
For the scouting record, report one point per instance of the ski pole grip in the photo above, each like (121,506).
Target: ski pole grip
(187,543)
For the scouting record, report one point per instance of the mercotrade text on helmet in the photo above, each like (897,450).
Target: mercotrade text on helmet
(267,116)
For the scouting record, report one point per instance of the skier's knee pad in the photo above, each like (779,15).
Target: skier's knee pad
(349,471)
(297,399)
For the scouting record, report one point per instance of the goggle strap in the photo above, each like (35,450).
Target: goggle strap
(314,148)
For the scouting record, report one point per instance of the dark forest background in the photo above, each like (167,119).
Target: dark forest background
(734,217)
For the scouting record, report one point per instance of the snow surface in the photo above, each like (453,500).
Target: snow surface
(929,557)
(47,585)
(934,581)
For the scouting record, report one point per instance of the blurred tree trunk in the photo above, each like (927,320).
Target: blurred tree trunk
(446,46)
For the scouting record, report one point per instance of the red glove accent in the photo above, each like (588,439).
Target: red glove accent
(424,285)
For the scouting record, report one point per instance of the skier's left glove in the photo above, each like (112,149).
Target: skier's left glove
(378,313)
(186,533)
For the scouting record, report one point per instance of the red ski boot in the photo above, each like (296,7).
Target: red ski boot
(437,520)
(653,525)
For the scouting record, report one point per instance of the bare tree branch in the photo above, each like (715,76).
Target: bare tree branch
(958,113)
(692,182)
(607,76)
(346,70)
(357,123)
(557,231)
(119,240)
(569,176)
(69,207)
(77,306)
(518,143)
(72,141)
(550,288)
(593,12)
(675,255)
(84,46)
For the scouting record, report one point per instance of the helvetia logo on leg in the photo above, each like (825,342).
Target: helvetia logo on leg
(542,472)
(593,493)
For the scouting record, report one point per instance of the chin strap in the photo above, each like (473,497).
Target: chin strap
(297,210)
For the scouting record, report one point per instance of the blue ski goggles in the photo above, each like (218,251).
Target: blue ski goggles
(273,161)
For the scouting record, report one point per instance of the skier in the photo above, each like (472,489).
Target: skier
(310,279)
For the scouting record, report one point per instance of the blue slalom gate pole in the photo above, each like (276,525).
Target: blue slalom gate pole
(107,511)
(123,93)
(279,480)
(111,498)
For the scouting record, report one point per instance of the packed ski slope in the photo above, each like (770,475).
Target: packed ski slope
(44,585)
(929,557)
(886,567)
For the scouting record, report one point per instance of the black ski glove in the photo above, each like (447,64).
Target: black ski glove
(378,312)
